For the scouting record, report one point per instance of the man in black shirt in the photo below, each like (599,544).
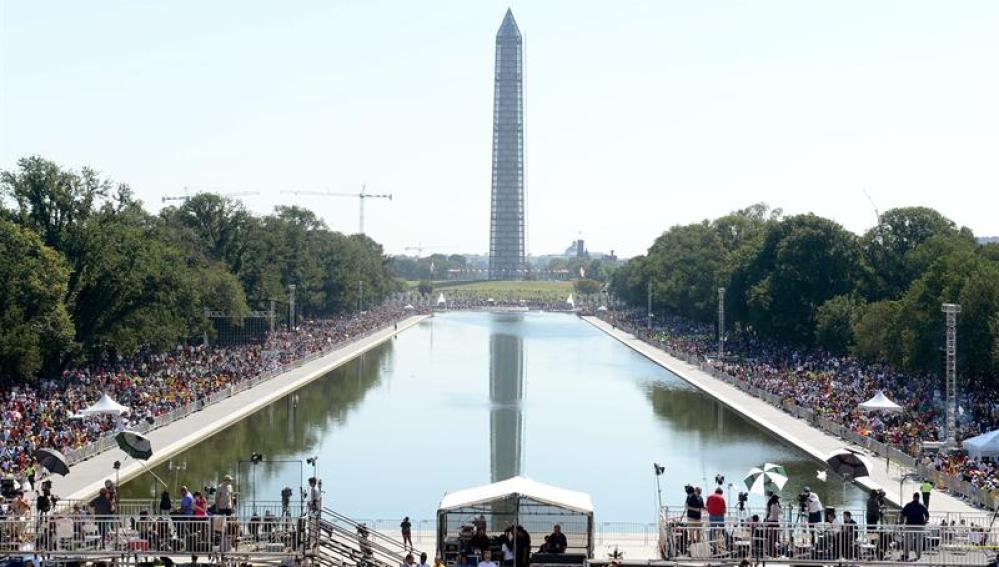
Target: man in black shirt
(557,542)
(695,505)
(914,516)
(479,542)
(874,502)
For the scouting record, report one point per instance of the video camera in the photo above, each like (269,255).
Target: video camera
(688,489)
(743,498)
(802,502)
(286,493)
(719,479)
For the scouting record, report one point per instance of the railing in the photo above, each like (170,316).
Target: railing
(352,541)
(84,535)
(107,442)
(823,543)
(975,495)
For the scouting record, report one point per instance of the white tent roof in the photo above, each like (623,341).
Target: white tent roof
(440,299)
(984,445)
(518,486)
(880,402)
(104,405)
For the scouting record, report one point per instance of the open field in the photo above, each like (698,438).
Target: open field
(524,289)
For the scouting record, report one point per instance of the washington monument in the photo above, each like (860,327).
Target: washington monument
(506,229)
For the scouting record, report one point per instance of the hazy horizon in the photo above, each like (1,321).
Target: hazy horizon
(637,117)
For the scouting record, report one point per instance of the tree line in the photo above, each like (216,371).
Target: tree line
(86,272)
(805,280)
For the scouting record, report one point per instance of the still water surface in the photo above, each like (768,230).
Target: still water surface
(465,399)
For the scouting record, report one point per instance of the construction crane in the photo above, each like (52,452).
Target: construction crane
(420,248)
(360,196)
(187,196)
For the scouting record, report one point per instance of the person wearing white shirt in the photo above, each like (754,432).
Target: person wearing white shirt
(487,560)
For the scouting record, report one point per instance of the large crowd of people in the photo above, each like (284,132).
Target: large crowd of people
(834,386)
(45,414)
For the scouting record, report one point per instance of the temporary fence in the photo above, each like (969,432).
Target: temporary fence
(823,543)
(956,486)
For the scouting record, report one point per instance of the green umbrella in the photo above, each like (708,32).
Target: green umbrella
(768,477)
(134,445)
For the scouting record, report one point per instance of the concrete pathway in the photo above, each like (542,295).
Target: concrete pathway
(799,433)
(86,478)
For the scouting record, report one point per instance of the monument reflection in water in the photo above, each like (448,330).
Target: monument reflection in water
(506,419)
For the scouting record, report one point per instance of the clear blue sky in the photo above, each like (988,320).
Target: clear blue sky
(638,115)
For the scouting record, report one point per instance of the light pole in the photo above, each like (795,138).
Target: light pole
(721,323)
(649,324)
(951,310)
(176,468)
(291,306)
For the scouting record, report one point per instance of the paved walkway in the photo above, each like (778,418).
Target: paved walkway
(793,430)
(86,478)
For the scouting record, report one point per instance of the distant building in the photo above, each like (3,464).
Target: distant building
(506,229)
(988,239)
(577,249)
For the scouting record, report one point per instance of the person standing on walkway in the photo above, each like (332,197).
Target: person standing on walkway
(695,506)
(914,516)
(926,488)
(874,504)
(223,497)
(315,496)
(407,532)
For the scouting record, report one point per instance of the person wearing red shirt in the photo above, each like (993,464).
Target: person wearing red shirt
(716,516)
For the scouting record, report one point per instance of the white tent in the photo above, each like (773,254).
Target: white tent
(570,301)
(984,445)
(520,501)
(880,402)
(441,300)
(105,405)
(408,307)
(602,308)
(518,486)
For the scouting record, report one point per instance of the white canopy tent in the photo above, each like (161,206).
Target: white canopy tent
(518,501)
(984,445)
(880,402)
(103,406)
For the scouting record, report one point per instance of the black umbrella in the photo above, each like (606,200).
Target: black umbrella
(52,460)
(134,445)
(849,464)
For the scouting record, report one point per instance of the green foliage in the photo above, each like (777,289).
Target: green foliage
(873,336)
(134,279)
(683,265)
(834,321)
(425,287)
(802,262)
(34,323)
(587,287)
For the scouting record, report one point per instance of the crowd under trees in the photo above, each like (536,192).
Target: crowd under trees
(85,271)
(806,281)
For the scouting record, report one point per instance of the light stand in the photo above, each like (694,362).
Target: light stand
(659,470)
(255,459)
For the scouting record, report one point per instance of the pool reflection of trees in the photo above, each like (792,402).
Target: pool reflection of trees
(286,429)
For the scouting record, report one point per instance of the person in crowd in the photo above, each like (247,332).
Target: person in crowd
(849,535)
(186,502)
(409,561)
(522,542)
(774,515)
(487,559)
(102,509)
(315,496)
(479,542)
(506,547)
(407,533)
(914,517)
(166,504)
(223,496)
(423,560)
(694,507)
(200,505)
(813,507)
(556,541)
(873,508)
(716,518)
(112,494)
(439,561)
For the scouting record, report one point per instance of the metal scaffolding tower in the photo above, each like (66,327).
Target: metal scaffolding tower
(951,310)
(721,323)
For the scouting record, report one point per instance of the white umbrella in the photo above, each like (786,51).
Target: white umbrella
(103,406)
(759,479)
(880,402)
(602,308)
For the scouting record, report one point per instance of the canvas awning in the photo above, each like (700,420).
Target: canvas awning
(105,405)
(880,402)
(514,487)
(984,445)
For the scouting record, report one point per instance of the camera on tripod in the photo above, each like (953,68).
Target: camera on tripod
(719,479)
(743,498)
(802,502)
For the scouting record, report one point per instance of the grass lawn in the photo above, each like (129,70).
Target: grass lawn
(524,290)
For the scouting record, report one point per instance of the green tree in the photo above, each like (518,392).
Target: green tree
(802,262)
(220,224)
(587,287)
(34,324)
(834,321)
(874,330)
(683,265)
